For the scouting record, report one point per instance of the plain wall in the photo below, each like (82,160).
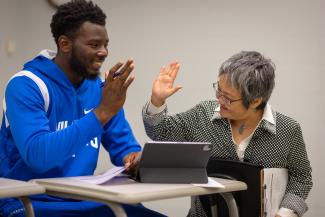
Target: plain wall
(201,35)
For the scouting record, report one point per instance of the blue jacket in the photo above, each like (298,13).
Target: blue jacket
(48,128)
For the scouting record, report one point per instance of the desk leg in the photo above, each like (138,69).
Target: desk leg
(214,210)
(117,209)
(28,206)
(231,203)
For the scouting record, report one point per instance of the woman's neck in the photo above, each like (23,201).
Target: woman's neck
(248,123)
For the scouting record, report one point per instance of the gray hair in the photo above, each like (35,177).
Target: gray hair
(252,74)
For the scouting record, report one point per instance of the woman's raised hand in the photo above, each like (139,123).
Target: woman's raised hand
(163,86)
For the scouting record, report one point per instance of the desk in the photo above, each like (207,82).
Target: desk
(15,188)
(124,190)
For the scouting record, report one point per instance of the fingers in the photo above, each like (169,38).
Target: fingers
(163,71)
(113,70)
(106,78)
(127,69)
(131,160)
(122,74)
(128,160)
(125,74)
(175,89)
(174,70)
(127,83)
(171,70)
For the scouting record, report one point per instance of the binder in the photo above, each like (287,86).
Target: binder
(266,187)
(174,162)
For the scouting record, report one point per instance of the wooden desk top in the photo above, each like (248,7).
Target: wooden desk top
(124,190)
(16,188)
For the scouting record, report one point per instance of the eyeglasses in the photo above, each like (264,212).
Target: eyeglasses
(221,97)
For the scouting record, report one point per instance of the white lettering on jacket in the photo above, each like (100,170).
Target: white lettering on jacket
(94,142)
(64,124)
(61,125)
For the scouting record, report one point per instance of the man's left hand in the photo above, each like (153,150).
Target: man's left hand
(131,161)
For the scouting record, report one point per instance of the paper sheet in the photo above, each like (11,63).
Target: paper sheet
(211,184)
(102,178)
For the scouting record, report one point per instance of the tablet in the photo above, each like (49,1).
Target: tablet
(174,162)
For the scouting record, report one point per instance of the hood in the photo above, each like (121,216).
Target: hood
(43,63)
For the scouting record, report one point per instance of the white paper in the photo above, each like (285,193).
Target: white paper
(211,184)
(276,180)
(102,178)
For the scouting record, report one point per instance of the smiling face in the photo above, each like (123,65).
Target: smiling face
(235,110)
(89,50)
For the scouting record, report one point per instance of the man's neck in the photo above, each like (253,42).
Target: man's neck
(65,67)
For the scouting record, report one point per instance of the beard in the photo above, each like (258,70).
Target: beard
(80,68)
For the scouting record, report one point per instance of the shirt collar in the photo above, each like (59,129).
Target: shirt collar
(268,114)
(267,122)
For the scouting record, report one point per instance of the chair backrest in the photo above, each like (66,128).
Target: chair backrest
(250,202)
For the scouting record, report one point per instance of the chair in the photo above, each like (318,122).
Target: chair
(249,202)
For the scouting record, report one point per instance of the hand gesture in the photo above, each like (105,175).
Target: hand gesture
(163,86)
(114,90)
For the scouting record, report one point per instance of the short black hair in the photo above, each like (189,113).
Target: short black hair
(70,16)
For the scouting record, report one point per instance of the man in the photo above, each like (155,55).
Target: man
(57,112)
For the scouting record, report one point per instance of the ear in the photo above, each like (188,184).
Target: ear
(256,102)
(64,44)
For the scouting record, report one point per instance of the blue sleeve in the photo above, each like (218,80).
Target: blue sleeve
(118,138)
(41,148)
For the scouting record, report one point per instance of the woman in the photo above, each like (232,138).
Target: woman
(240,124)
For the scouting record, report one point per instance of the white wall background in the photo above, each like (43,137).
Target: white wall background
(201,35)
